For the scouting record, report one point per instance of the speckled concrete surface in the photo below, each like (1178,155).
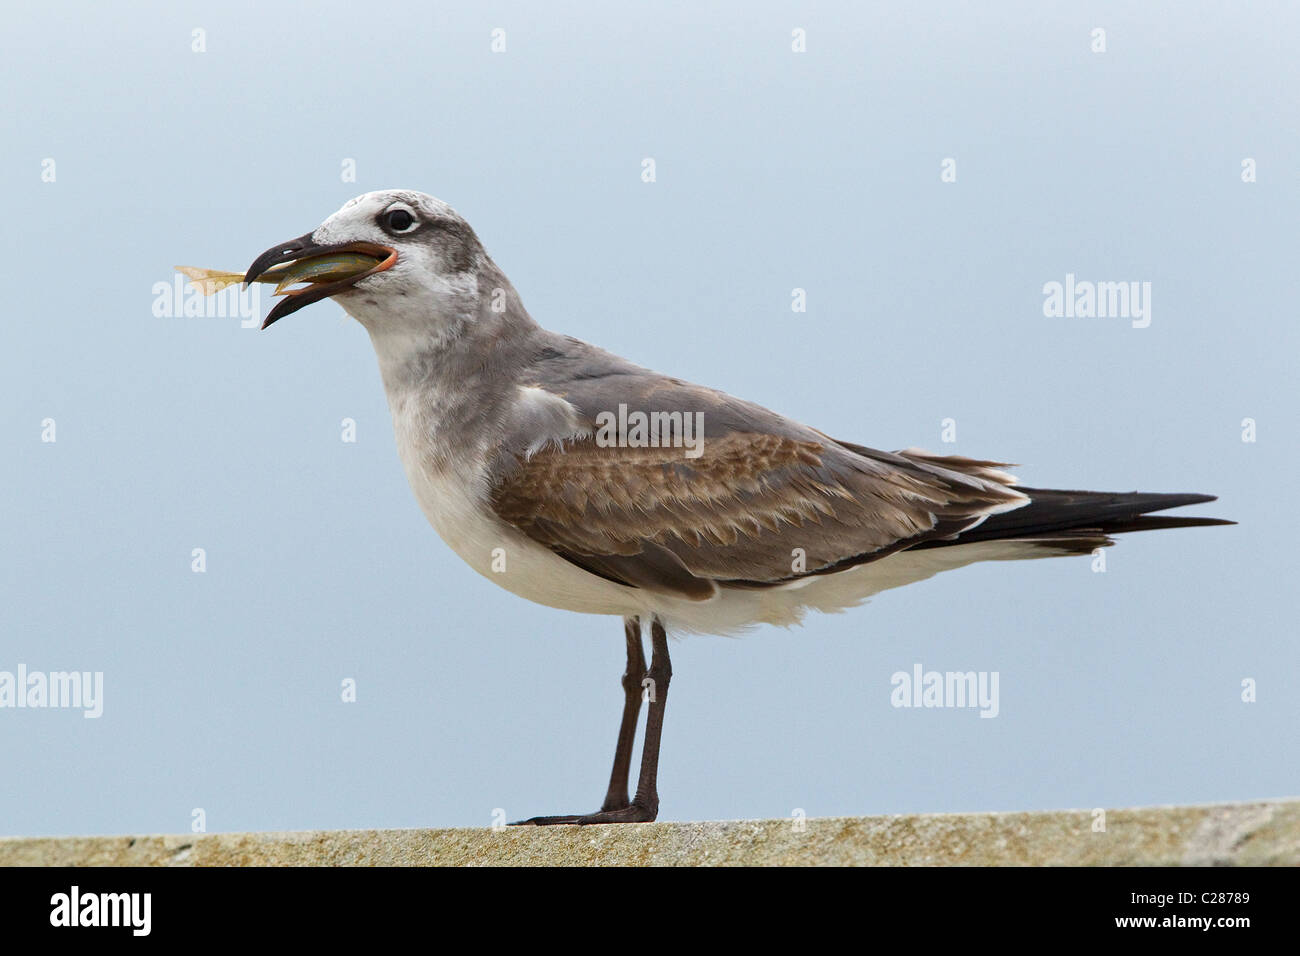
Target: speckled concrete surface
(1266,832)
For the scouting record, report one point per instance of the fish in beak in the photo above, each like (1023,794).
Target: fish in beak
(327,270)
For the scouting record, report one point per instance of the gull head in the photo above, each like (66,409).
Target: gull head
(396,260)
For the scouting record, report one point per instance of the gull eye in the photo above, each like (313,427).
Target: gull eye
(399,220)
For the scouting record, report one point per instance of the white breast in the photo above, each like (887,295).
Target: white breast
(452,491)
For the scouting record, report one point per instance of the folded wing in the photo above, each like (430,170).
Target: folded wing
(765,502)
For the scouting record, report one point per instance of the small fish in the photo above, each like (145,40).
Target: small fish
(316,270)
(211,281)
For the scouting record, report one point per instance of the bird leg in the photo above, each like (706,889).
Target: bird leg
(644,807)
(616,796)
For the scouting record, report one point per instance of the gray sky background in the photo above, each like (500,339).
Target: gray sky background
(775,170)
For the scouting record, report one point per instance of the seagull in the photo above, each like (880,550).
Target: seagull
(576,479)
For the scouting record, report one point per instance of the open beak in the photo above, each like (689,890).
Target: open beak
(328,270)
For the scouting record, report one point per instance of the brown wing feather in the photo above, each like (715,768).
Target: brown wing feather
(651,517)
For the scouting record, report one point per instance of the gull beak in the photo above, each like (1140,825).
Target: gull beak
(328,270)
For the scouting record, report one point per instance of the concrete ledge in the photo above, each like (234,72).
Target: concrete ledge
(1263,833)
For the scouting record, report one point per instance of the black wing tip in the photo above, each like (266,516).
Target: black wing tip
(1156,522)
(1192,498)
(1053,512)
(1146,500)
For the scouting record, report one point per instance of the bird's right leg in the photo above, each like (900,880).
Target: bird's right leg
(616,797)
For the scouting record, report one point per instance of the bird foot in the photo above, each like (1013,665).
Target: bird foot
(633,813)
